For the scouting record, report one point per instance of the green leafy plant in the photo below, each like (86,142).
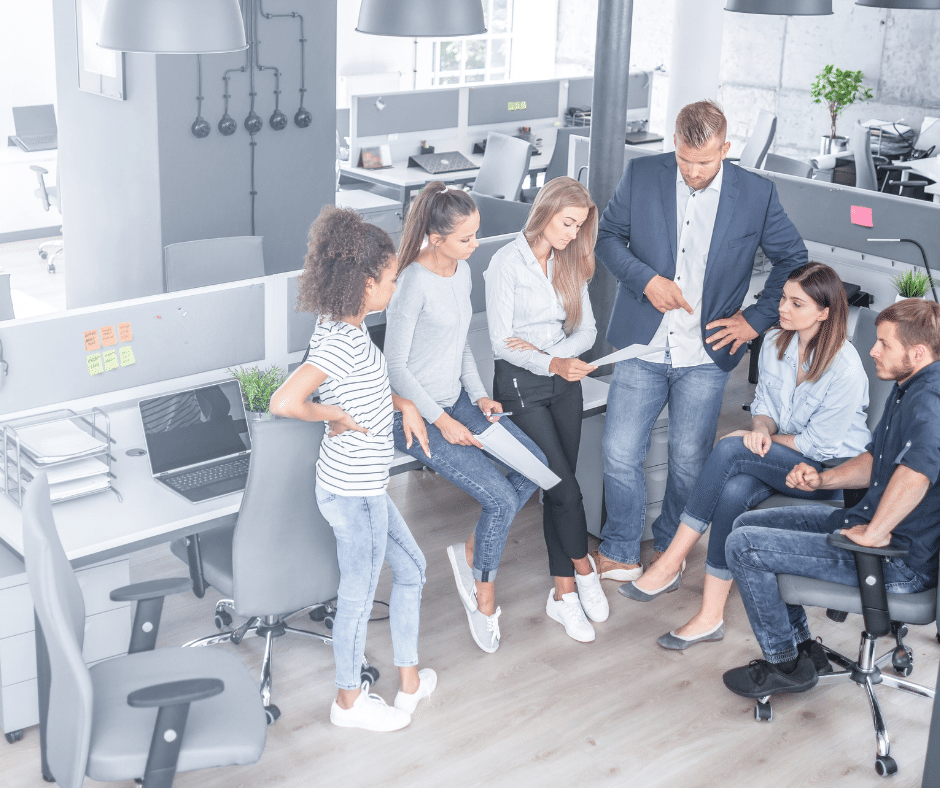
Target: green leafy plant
(912,284)
(258,385)
(837,89)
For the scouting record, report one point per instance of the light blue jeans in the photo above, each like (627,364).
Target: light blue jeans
(369,530)
(638,392)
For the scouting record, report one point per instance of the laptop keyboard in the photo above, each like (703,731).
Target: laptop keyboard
(204,476)
(39,139)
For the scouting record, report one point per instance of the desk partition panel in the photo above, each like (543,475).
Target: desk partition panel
(513,102)
(413,110)
(639,94)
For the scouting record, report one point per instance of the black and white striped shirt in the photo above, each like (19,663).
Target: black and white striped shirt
(353,463)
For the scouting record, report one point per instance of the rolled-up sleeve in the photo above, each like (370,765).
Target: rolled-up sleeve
(828,425)
(921,450)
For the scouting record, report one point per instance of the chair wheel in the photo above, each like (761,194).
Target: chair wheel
(48,779)
(13,736)
(328,622)
(903,660)
(318,613)
(223,619)
(763,712)
(272,712)
(369,675)
(885,765)
(51,268)
(43,254)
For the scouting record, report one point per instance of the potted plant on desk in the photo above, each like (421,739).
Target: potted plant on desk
(837,89)
(257,387)
(912,284)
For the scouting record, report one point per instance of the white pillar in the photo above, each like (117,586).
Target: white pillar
(696,57)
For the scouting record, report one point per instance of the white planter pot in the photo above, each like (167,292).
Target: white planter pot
(899,297)
(829,144)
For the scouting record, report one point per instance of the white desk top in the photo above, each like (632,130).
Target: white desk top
(13,154)
(929,168)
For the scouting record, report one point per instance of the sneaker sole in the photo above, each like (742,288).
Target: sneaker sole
(466,600)
(340,723)
(553,617)
(473,634)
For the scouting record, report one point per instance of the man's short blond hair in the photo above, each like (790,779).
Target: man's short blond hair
(697,123)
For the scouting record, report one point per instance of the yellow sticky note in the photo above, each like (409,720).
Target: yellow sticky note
(127,356)
(91,340)
(108,337)
(110,360)
(124,332)
(94,364)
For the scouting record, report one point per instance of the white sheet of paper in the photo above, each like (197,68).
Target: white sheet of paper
(631,351)
(499,442)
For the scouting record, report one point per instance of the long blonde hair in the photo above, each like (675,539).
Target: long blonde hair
(574,265)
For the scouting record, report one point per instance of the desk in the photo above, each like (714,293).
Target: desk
(927,168)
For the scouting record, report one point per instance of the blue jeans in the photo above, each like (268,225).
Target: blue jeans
(792,540)
(638,392)
(473,472)
(734,480)
(370,530)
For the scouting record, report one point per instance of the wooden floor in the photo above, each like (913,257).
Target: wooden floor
(544,710)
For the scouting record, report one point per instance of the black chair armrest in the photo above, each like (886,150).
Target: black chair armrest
(840,540)
(149,597)
(151,589)
(173,693)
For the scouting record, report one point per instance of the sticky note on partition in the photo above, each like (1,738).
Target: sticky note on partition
(110,360)
(91,340)
(108,337)
(127,356)
(94,364)
(862,216)
(124,332)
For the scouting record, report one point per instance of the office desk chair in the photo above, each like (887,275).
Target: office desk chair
(558,164)
(759,142)
(498,217)
(787,166)
(927,144)
(6,299)
(279,559)
(504,168)
(49,196)
(212,261)
(148,715)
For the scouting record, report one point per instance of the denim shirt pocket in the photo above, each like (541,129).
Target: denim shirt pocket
(803,411)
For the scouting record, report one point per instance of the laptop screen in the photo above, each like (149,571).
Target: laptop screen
(195,426)
(31,121)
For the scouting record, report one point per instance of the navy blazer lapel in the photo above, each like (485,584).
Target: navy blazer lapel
(726,203)
(667,181)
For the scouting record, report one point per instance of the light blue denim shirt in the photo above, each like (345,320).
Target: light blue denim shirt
(826,417)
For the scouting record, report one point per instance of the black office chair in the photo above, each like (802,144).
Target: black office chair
(759,142)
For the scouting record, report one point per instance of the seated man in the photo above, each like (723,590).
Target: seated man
(900,467)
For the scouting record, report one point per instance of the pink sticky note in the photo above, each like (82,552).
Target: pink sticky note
(862,216)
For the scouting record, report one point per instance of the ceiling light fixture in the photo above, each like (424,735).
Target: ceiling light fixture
(178,27)
(781,7)
(419,18)
(923,5)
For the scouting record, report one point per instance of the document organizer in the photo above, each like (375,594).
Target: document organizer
(84,443)
(434,163)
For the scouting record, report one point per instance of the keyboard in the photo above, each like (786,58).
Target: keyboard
(39,139)
(205,476)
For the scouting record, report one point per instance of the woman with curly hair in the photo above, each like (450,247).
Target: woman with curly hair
(350,271)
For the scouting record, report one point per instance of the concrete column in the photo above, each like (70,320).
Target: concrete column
(696,57)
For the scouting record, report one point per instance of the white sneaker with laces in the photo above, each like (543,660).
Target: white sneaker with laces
(591,594)
(485,629)
(569,613)
(369,712)
(409,701)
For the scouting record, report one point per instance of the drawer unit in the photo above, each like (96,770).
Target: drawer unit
(375,209)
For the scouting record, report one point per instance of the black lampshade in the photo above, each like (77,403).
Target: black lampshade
(416,18)
(781,7)
(923,5)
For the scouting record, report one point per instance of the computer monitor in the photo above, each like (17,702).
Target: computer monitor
(513,102)
(639,94)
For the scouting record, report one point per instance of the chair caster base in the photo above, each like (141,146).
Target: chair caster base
(369,675)
(223,619)
(13,736)
(272,712)
(763,711)
(885,765)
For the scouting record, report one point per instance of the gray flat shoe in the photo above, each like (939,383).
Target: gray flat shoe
(676,642)
(630,590)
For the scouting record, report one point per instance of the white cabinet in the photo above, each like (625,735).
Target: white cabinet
(375,209)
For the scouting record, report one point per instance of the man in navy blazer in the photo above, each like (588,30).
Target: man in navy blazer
(680,235)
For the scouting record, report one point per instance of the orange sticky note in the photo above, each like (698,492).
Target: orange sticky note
(91,340)
(94,364)
(862,216)
(124,332)
(108,337)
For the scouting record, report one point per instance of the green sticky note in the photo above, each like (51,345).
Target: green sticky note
(110,360)
(94,364)
(127,356)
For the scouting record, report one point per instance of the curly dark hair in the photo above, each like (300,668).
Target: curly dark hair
(343,252)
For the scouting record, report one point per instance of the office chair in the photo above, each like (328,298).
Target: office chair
(759,142)
(148,715)
(212,261)
(498,217)
(927,144)
(49,196)
(279,559)
(504,168)
(6,299)
(787,166)
(558,164)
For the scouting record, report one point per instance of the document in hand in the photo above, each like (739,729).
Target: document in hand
(633,351)
(499,442)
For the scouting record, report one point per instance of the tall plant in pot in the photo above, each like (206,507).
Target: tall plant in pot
(837,89)
(257,387)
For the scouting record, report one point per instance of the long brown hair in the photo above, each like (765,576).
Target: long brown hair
(574,265)
(436,210)
(824,287)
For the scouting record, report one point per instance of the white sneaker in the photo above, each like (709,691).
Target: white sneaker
(370,713)
(409,701)
(591,594)
(570,614)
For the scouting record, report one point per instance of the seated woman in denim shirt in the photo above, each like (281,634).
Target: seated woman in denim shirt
(809,407)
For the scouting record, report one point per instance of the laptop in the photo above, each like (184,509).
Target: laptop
(35,128)
(435,163)
(198,441)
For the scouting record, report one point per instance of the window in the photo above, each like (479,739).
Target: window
(476,58)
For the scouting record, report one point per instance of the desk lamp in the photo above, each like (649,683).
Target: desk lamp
(414,18)
(924,5)
(781,7)
(923,254)
(172,26)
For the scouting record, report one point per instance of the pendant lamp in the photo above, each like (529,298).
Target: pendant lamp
(781,7)
(172,26)
(415,18)
(923,5)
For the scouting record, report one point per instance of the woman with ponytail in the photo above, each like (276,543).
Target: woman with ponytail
(431,364)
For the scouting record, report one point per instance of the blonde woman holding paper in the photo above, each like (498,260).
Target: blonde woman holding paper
(540,320)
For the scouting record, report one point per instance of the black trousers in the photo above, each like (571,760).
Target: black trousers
(548,410)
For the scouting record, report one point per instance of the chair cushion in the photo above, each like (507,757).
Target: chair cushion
(920,608)
(215,546)
(226,730)
(777,500)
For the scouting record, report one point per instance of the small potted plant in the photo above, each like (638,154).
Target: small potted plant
(837,89)
(257,387)
(912,284)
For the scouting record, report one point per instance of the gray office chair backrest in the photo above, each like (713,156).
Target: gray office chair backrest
(479,261)
(60,609)
(498,217)
(759,142)
(860,145)
(212,261)
(505,166)
(6,298)
(284,551)
(878,390)
(775,163)
(558,164)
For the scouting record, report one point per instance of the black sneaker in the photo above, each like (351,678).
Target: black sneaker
(762,678)
(818,655)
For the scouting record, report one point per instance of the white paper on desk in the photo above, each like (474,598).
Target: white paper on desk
(631,351)
(501,443)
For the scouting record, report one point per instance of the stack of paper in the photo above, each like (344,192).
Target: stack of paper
(56,441)
(499,442)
